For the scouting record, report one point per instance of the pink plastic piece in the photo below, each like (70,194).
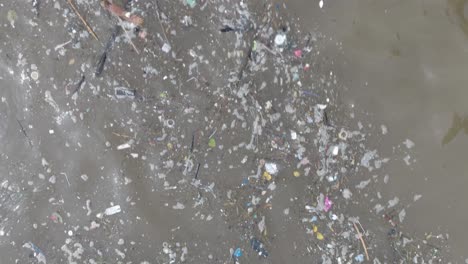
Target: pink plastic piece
(328,204)
(298,53)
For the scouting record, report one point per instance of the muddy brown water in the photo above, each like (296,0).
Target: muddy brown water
(405,63)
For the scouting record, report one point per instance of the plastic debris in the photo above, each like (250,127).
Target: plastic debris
(393,202)
(280,39)
(224,97)
(271,168)
(124,93)
(402,215)
(336,150)
(35,75)
(191,3)
(12,17)
(56,218)
(178,206)
(266,176)
(359,258)
(293,135)
(261,225)
(259,247)
(237,254)
(113,210)
(212,143)
(319,236)
(38,254)
(298,53)
(166,48)
(343,135)
(328,204)
(408,143)
(126,145)
(347,194)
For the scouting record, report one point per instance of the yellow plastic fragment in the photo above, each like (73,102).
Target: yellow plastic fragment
(266,176)
(315,228)
(319,236)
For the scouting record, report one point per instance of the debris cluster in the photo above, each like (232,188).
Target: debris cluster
(198,131)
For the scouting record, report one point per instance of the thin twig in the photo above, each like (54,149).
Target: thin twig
(83,20)
(362,241)
(198,170)
(120,135)
(78,85)
(103,57)
(160,23)
(128,36)
(24,132)
(193,143)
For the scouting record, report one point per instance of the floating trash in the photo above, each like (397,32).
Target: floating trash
(124,93)
(113,210)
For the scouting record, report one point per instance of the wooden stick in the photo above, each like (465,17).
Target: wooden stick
(362,241)
(160,23)
(24,132)
(128,36)
(119,135)
(90,30)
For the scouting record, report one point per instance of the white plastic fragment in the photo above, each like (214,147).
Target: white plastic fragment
(335,151)
(52,179)
(280,39)
(386,177)
(408,143)
(293,135)
(244,160)
(166,48)
(49,99)
(12,17)
(401,215)
(261,225)
(120,253)
(84,177)
(367,158)
(113,210)
(322,106)
(347,194)
(393,202)
(178,206)
(271,168)
(384,129)
(125,145)
(417,197)
(34,75)
(407,160)
(363,184)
